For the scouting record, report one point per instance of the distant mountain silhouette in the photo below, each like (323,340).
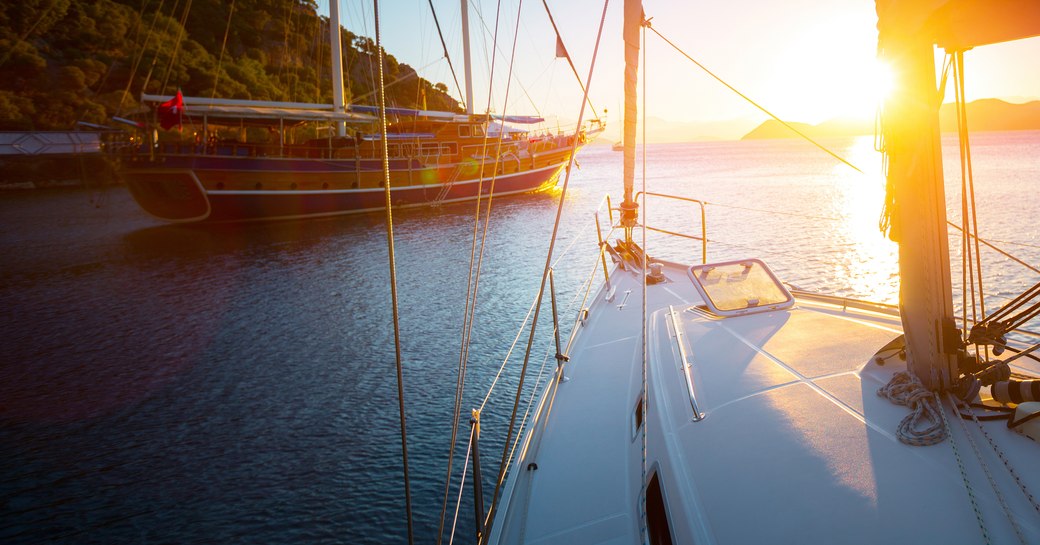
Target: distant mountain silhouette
(988,114)
(991,114)
(834,127)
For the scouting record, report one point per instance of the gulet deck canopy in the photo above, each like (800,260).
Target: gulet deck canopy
(238,109)
(232,109)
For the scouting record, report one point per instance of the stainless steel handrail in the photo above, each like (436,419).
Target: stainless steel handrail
(704,228)
(686,364)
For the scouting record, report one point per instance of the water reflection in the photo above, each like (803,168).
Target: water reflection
(870,264)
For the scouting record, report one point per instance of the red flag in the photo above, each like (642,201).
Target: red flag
(170,112)
(561,51)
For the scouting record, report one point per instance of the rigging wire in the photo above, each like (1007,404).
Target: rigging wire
(393,277)
(480,17)
(472,282)
(474,272)
(140,55)
(176,46)
(755,104)
(509,353)
(550,394)
(545,269)
(523,325)
(534,391)
(357,99)
(320,49)
(155,58)
(986,242)
(968,197)
(1004,253)
(28,32)
(378,54)
(967,263)
(223,47)
(566,54)
(287,18)
(444,46)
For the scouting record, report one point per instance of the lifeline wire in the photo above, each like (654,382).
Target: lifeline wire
(545,272)
(393,280)
(530,310)
(538,379)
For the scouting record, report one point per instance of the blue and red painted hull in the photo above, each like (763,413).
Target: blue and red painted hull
(215,189)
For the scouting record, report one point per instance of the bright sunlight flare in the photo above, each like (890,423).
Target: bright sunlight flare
(819,77)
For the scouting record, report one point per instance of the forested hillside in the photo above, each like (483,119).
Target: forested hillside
(63,61)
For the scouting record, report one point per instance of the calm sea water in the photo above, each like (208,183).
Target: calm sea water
(236,384)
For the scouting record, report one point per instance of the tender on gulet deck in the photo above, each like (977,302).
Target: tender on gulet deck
(772,434)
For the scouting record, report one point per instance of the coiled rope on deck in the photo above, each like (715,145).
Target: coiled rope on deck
(906,389)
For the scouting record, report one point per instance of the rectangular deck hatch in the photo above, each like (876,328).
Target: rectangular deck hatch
(741,287)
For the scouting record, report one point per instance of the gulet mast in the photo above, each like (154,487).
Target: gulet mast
(337,65)
(465,57)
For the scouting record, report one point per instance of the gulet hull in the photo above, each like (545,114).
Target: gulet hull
(191,190)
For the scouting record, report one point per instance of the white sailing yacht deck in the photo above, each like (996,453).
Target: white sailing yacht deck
(792,389)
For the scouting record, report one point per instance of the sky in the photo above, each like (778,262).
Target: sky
(805,60)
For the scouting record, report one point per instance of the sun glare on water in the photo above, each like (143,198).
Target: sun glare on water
(870,258)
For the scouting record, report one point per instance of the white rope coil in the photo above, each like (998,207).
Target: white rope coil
(906,389)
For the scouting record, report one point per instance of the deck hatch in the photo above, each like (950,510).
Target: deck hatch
(735,288)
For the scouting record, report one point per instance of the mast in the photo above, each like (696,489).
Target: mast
(632,25)
(918,216)
(465,57)
(907,34)
(337,65)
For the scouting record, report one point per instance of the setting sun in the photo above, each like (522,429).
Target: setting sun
(882,80)
(818,77)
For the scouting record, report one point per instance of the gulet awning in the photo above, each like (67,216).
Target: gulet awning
(217,110)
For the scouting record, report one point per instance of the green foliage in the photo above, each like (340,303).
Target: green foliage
(63,61)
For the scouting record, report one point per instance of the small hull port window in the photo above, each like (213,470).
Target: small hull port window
(658,530)
(637,417)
